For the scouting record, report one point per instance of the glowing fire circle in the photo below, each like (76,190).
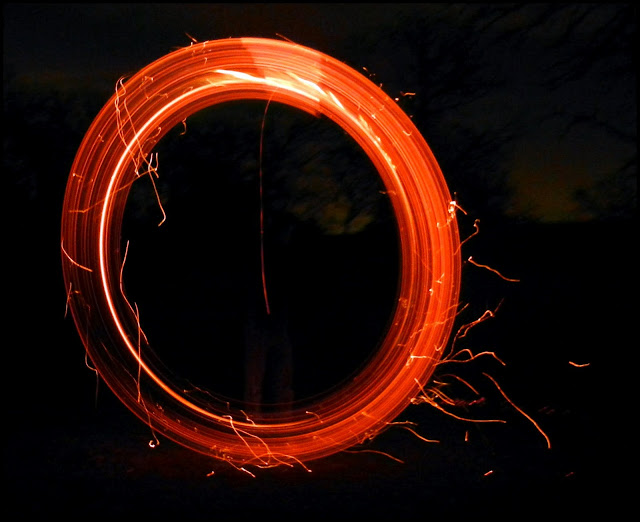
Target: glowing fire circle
(117,150)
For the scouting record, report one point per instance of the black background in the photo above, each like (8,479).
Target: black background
(72,449)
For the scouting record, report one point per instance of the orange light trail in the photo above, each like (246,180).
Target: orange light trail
(121,140)
(579,365)
(470,260)
(546,437)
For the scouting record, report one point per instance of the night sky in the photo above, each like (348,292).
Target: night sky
(557,84)
(531,113)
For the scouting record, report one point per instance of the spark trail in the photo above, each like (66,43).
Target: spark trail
(117,150)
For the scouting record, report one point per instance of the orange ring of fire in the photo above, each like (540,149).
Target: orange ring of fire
(115,151)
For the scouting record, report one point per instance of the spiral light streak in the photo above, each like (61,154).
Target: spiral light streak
(117,150)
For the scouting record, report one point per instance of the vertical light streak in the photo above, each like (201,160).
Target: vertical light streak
(109,160)
(261,189)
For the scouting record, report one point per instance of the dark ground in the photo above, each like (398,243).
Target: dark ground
(67,455)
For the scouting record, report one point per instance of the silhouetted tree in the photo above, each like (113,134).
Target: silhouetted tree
(476,70)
